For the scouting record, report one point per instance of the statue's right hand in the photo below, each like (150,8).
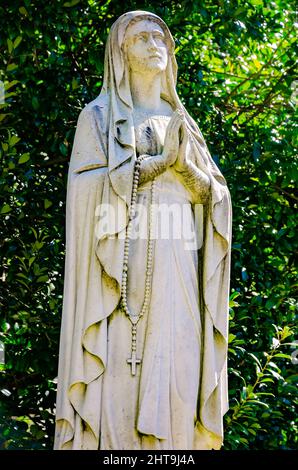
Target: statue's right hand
(171,144)
(153,166)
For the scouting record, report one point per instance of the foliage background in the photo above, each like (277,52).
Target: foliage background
(236,76)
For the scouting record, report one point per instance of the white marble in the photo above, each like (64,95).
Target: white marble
(143,350)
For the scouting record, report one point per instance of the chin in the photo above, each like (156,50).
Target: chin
(156,67)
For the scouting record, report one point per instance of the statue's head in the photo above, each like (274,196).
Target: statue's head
(147,45)
(139,42)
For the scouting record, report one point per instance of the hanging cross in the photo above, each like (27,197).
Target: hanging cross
(133,361)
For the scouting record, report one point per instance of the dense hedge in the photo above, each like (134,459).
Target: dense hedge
(236,77)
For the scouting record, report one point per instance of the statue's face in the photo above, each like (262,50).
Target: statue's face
(146,48)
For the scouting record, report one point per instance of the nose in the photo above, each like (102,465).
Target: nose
(152,46)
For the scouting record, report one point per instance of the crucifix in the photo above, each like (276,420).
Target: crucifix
(133,361)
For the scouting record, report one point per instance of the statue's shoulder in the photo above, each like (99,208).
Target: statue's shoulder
(96,109)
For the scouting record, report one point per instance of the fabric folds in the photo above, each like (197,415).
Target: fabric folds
(99,186)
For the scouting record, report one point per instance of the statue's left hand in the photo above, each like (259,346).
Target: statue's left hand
(194,178)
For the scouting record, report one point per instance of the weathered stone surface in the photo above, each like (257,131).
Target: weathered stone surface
(144,329)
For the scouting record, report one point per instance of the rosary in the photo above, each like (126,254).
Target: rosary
(133,361)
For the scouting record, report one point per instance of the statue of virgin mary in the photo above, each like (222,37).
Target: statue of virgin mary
(143,348)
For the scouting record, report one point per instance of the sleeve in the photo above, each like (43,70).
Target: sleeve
(90,147)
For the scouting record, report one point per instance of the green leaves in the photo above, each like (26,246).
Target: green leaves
(253,395)
(13,140)
(72,3)
(11,67)
(47,203)
(5,209)
(24,158)
(236,78)
(10,45)
(35,103)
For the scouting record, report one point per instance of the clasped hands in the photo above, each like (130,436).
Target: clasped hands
(174,151)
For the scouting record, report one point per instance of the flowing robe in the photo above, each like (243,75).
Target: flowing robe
(179,395)
(156,409)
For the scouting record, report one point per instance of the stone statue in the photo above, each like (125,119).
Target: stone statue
(143,346)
